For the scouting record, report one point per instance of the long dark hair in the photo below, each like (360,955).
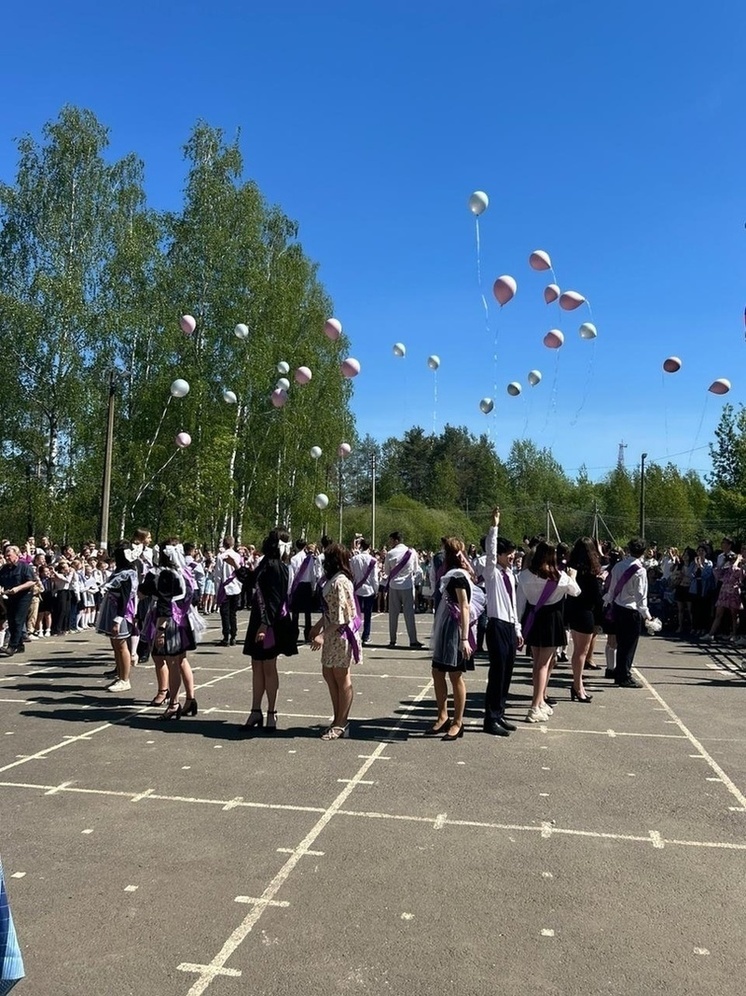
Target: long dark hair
(584,557)
(121,560)
(544,561)
(337,561)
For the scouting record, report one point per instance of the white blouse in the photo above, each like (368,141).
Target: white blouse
(530,587)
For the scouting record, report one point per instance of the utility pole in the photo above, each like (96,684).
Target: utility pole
(341,499)
(373,501)
(620,454)
(643,458)
(106,484)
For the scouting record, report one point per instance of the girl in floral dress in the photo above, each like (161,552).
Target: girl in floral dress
(337,635)
(731,575)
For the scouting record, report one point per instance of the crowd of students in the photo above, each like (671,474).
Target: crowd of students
(151,602)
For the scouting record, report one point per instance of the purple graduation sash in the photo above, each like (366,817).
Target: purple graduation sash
(549,588)
(365,576)
(632,569)
(398,566)
(299,576)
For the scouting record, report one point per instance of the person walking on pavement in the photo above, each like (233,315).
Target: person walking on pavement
(401,566)
(627,598)
(17,581)
(503,633)
(364,569)
(228,588)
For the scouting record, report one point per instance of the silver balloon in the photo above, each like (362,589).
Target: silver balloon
(486,405)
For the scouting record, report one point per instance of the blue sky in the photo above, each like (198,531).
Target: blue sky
(610,136)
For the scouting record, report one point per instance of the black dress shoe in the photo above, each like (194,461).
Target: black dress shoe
(496,729)
(628,683)
(222,643)
(508,725)
(392,646)
(416,646)
(7,651)
(610,673)
(232,642)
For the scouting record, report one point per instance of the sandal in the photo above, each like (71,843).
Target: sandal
(336,733)
(163,696)
(173,712)
(252,721)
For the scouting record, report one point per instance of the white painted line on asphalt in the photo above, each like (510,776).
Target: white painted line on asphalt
(131,888)
(730,785)
(547,875)
(346,781)
(610,733)
(440,821)
(701,951)
(87,831)
(249,900)
(67,741)
(737,809)
(142,795)
(292,850)
(207,974)
(407,916)
(365,757)
(18,875)
(546,829)
(656,839)
(58,788)
(233,803)
(547,933)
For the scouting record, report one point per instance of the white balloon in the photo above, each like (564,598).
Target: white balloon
(229,397)
(316,452)
(332,328)
(321,501)
(478,202)
(514,388)
(279,397)
(433,362)
(399,349)
(344,450)
(283,384)
(179,389)
(588,330)
(486,405)
(303,375)
(283,368)
(534,377)
(241,331)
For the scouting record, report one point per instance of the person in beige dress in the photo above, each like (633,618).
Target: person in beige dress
(337,636)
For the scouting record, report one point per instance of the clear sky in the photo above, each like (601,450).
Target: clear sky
(611,136)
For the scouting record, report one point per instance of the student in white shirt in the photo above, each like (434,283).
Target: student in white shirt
(401,566)
(364,569)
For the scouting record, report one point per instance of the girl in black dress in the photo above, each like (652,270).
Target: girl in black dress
(271,630)
(584,612)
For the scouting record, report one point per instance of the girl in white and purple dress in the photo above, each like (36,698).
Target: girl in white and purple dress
(174,627)
(117,612)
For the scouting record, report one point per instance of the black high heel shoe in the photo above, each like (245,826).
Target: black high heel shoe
(271,726)
(190,708)
(433,731)
(173,712)
(577,697)
(457,736)
(252,723)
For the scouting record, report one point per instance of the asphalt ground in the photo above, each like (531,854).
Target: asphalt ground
(601,853)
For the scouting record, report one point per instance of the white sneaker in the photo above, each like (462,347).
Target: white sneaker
(33,636)
(707,639)
(536,716)
(119,686)
(47,632)
(546,709)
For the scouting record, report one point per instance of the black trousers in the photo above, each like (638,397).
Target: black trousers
(228,611)
(501,649)
(303,604)
(366,607)
(627,629)
(17,609)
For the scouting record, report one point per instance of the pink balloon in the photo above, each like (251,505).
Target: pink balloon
(551,293)
(344,450)
(672,364)
(719,386)
(539,260)
(188,324)
(350,367)
(504,289)
(279,397)
(302,375)
(553,339)
(333,328)
(183,439)
(571,300)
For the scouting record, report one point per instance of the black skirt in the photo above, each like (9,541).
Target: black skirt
(548,627)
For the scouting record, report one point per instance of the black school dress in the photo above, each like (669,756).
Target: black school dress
(269,597)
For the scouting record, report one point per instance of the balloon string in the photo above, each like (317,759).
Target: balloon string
(590,309)
(665,409)
(587,385)
(552,408)
(435,400)
(696,436)
(479,278)
(152,441)
(145,486)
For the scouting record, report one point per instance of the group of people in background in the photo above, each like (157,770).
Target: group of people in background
(151,602)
